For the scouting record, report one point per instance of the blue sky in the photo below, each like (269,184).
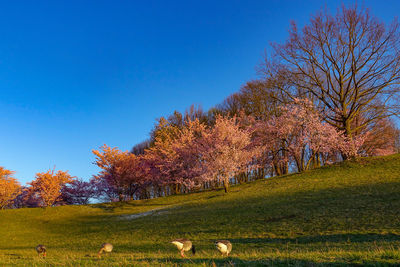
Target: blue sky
(78,74)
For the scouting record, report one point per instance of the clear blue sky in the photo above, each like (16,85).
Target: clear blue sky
(78,74)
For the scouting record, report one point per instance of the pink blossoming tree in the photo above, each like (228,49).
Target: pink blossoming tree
(299,135)
(225,150)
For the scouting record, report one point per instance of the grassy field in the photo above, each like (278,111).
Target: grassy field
(341,215)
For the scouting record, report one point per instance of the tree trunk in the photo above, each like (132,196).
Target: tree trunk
(349,134)
(226,185)
(277,170)
(177,189)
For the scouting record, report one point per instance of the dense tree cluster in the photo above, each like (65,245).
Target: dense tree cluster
(327,94)
(192,155)
(182,158)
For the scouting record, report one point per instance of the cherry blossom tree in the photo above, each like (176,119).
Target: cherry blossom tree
(381,139)
(298,134)
(9,187)
(121,171)
(174,158)
(225,150)
(196,154)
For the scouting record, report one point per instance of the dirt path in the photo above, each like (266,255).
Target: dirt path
(153,212)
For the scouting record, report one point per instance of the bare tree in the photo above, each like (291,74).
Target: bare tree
(139,149)
(348,64)
(229,107)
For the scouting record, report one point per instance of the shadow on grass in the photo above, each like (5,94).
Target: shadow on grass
(353,238)
(14,255)
(230,261)
(233,261)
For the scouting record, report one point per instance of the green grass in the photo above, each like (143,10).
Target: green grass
(341,215)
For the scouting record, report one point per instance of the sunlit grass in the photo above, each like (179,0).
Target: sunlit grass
(337,215)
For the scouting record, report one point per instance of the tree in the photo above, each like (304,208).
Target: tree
(78,192)
(139,148)
(261,99)
(27,199)
(47,186)
(381,138)
(231,106)
(174,157)
(9,187)
(225,150)
(348,64)
(121,171)
(298,134)
(104,191)
(172,124)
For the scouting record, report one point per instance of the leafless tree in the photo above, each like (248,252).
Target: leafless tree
(348,64)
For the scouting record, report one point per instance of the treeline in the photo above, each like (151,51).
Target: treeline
(327,94)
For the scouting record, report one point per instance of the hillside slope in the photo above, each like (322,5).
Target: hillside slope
(337,215)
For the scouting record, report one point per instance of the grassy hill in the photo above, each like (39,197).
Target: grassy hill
(341,215)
